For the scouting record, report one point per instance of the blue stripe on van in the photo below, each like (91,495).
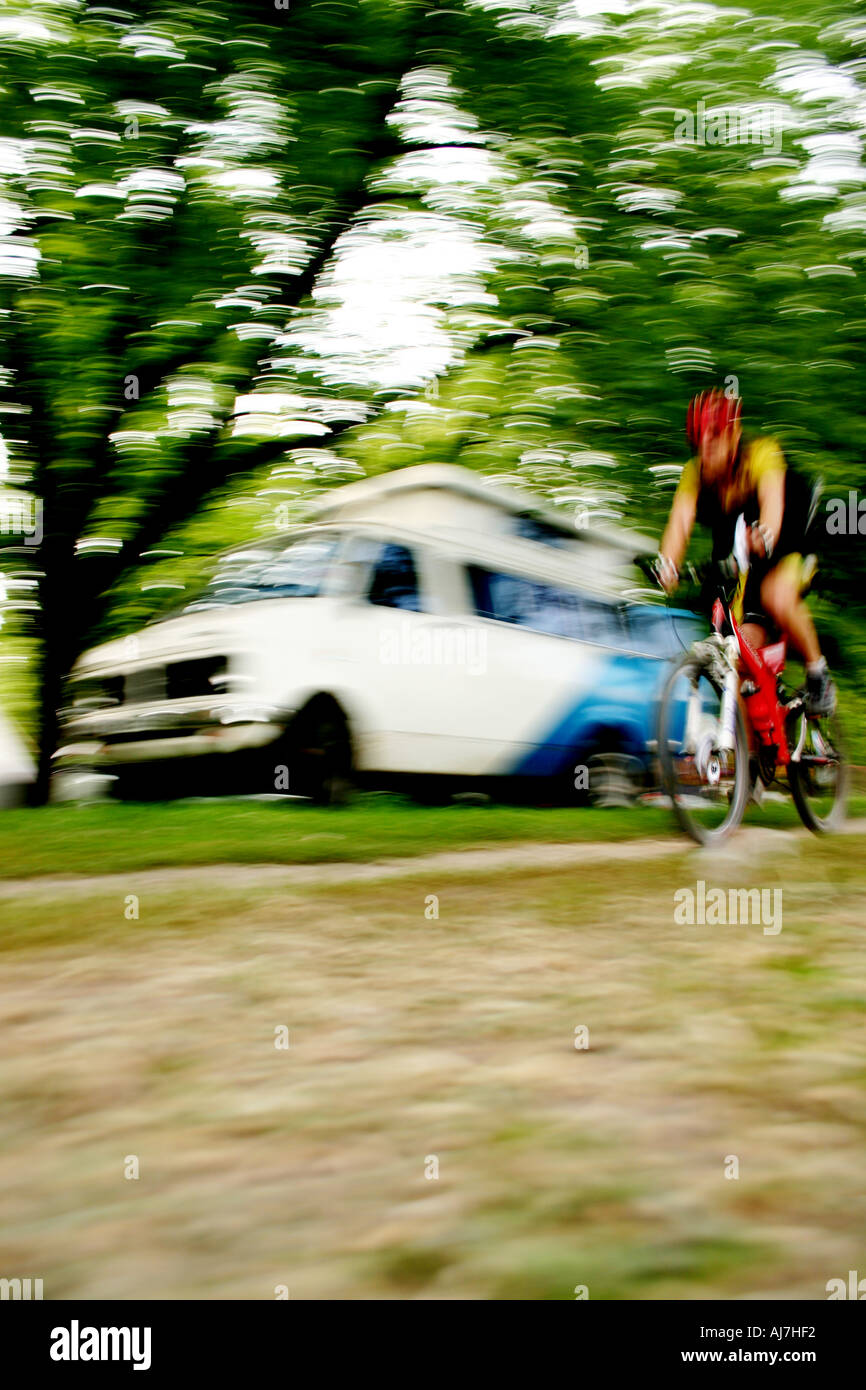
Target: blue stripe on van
(622,705)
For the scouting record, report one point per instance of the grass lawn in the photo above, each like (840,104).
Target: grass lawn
(118,837)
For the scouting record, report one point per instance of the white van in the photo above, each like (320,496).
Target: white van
(424,626)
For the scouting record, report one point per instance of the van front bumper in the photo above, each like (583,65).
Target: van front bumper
(105,738)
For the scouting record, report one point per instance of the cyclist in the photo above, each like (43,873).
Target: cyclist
(728,477)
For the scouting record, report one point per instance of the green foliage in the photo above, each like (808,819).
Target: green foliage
(257,252)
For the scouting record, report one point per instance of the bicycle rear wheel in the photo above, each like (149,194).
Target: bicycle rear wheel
(819,778)
(707,784)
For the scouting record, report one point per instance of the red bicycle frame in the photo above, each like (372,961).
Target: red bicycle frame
(759,688)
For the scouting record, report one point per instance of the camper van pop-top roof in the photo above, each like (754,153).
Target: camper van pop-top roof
(445,499)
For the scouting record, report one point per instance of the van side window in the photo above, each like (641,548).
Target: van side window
(603,623)
(511,598)
(395,581)
(657,631)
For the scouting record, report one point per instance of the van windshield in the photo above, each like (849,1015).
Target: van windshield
(296,569)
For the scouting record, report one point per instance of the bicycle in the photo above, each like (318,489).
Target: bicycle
(727,723)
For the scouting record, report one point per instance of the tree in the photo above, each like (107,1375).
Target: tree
(172,179)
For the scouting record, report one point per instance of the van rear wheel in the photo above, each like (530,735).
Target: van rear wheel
(615,778)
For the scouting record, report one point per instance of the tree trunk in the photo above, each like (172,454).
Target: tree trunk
(61,633)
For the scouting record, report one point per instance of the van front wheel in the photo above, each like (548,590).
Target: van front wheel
(320,754)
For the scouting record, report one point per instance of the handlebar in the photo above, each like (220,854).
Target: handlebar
(696,574)
(723,573)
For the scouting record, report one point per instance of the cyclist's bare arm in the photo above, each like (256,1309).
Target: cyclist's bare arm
(771,500)
(675,540)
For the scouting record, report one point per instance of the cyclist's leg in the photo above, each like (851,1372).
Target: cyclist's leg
(754,633)
(782,600)
(748,611)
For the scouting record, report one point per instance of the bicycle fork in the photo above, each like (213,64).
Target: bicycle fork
(730,698)
(706,741)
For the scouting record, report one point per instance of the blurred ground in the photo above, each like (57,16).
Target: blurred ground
(413,1037)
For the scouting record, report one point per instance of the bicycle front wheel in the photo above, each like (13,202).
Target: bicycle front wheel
(708,783)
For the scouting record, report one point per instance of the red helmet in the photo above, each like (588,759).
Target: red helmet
(711,409)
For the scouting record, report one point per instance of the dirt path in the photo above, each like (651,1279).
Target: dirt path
(747,846)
